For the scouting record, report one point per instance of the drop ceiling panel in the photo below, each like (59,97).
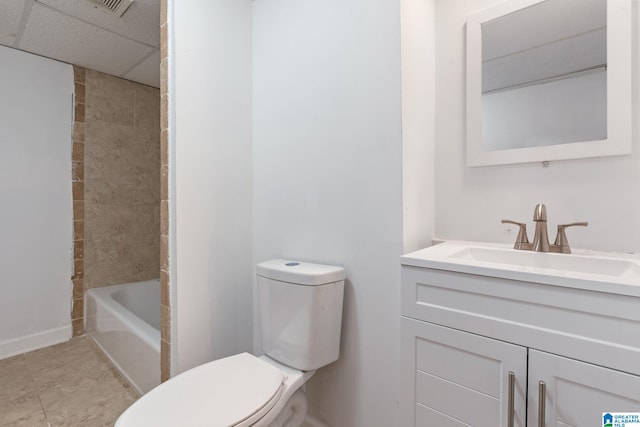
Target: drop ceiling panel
(147,72)
(10,14)
(140,22)
(56,35)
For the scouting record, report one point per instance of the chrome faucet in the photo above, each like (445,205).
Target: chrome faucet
(541,237)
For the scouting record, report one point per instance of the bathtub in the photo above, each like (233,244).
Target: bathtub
(124,322)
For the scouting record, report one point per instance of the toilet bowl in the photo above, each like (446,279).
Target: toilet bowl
(301,316)
(240,390)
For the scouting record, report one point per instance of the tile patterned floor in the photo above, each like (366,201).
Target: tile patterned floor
(69,384)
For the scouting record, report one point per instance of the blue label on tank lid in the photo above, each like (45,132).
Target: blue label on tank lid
(292,264)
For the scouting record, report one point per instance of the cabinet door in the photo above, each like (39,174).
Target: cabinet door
(577,393)
(453,379)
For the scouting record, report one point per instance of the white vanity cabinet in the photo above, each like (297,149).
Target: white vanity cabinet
(453,378)
(577,393)
(466,336)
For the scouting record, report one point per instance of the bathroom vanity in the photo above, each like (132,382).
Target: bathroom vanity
(492,336)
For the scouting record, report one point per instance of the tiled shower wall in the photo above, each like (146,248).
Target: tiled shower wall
(165,320)
(77,178)
(121,181)
(116,184)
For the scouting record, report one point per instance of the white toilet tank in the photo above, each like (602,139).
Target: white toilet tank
(300,312)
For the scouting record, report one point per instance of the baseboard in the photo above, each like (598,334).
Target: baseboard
(31,342)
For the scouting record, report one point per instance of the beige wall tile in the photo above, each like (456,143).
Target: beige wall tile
(106,110)
(147,108)
(164,218)
(165,348)
(164,71)
(102,191)
(163,12)
(78,74)
(78,289)
(78,133)
(164,182)
(101,87)
(164,288)
(164,253)
(163,41)
(79,92)
(77,177)
(77,327)
(78,230)
(164,109)
(77,310)
(78,209)
(78,190)
(107,141)
(80,113)
(77,152)
(165,361)
(121,225)
(78,249)
(164,147)
(77,171)
(165,320)
(78,269)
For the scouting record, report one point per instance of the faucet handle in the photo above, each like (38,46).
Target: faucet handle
(561,242)
(522,241)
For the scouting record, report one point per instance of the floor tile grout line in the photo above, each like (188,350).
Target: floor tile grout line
(122,395)
(35,386)
(44,411)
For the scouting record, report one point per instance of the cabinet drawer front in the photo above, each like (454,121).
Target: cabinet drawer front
(456,378)
(428,417)
(457,400)
(597,327)
(577,393)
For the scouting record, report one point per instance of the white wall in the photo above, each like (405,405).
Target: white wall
(328,179)
(36,208)
(210,157)
(418,122)
(470,202)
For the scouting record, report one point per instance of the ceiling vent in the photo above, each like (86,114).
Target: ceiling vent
(116,7)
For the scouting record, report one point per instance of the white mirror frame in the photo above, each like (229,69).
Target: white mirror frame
(618,142)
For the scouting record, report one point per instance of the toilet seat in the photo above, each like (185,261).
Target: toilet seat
(235,391)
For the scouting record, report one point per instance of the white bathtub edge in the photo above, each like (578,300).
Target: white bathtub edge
(35,341)
(128,342)
(117,367)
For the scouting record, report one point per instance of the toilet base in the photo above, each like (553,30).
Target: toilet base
(293,412)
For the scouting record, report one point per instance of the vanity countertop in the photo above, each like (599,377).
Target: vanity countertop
(609,272)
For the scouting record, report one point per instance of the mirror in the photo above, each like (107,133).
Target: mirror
(548,80)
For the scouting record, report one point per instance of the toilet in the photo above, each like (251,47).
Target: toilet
(300,319)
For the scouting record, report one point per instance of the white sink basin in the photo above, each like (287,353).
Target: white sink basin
(609,272)
(563,262)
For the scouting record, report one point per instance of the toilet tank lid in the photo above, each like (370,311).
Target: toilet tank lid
(298,272)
